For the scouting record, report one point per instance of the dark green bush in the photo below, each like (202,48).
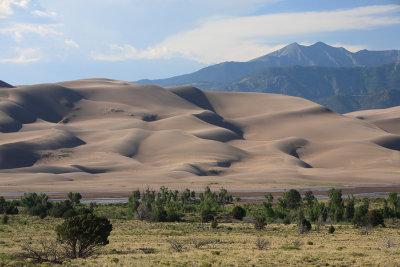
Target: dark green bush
(360,213)
(207,215)
(63,209)
(287,220)
(83,234)
(331,229)
(214,223)
(4,219)
(7,207)
(36,205)
(375,217)
(304,226)
(238,212)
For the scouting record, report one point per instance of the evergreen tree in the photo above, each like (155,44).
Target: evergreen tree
(336,206)
(309,198)
(292,199)
(349,210)
(83,234)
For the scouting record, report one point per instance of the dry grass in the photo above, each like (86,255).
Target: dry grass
(231,244)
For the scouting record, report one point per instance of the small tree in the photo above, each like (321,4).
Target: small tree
(335,205)
(292,199)
(359,218)
(75,198)
(269,197)
(83,234)
(309,198)
(394,200)
(349,210)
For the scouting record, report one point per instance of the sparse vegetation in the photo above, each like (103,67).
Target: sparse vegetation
(259,224)
(262,243)
(191,241)
(176,245)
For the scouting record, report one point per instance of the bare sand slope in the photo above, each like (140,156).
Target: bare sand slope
(107,135)
(387,119)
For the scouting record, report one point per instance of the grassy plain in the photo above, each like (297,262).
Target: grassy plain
(138,243)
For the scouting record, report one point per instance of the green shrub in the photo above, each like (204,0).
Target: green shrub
(360,213)
(375,217)
(36,205)
(286,220)
(75,198)
(83,234)
(262,243)
(114,260)
(176,245)
(207,215)
(304,226)
(63,209)
(331,229)
(238,212)
(260,223)
(214,223)
(4,219)
(7,207)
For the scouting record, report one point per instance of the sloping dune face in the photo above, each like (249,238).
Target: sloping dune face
(386,119)
(107,135)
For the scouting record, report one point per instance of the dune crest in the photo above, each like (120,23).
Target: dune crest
(107,135)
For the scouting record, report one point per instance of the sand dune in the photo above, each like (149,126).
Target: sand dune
(107,135)
(386,119)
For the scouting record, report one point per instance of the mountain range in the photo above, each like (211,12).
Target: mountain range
(5,85)
(319,72)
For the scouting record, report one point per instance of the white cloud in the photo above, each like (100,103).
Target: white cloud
(17,30)
(23,56)
(45,14)
(18,36)
(6,8)
(71,43)
(243,38)
(126,52)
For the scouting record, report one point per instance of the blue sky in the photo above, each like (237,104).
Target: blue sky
(57,40)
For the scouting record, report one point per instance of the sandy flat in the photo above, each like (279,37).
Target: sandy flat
(106,135)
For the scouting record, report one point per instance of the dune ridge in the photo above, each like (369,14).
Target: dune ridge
(108,135)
